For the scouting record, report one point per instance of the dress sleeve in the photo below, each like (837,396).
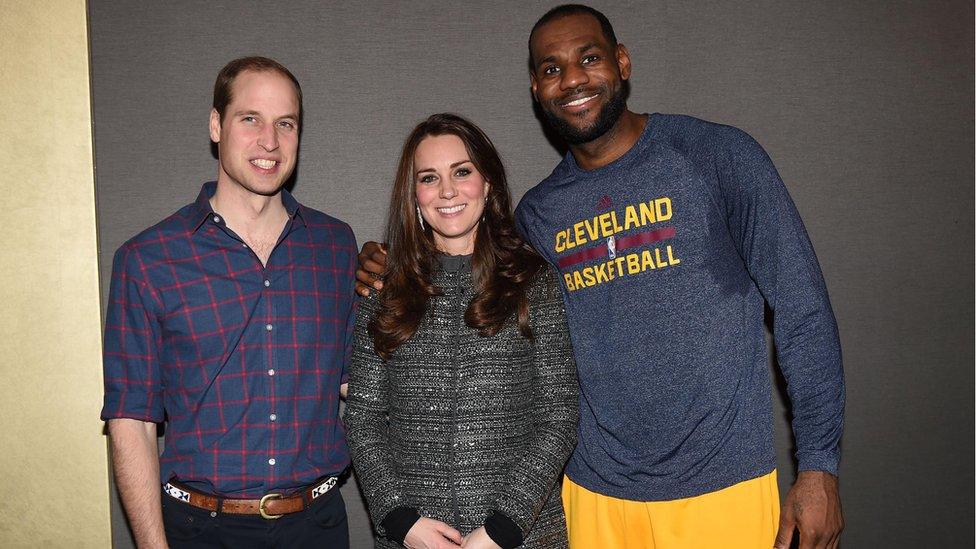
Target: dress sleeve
(772,241)
(133,380)
(366,422)
(555,409)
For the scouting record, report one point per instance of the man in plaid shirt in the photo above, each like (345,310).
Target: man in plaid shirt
(231,320)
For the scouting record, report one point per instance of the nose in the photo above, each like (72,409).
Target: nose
(573,76)
(268,138)
(448,190)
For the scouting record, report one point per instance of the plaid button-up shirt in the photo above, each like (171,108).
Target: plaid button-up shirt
(243,361)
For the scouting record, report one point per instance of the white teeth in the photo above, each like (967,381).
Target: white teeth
(264,164)
(452,209)
(579,101)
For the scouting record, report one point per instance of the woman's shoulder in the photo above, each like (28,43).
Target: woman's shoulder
(369,304)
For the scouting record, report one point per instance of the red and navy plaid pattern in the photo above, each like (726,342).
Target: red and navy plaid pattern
(242,361)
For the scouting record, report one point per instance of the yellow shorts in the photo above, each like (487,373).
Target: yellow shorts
(744,515)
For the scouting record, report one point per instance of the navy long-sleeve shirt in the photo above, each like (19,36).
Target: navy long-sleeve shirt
(667,256)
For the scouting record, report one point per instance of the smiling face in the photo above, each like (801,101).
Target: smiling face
(451,193)
(257,139)
(577,77)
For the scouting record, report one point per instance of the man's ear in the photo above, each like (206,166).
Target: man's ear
(623,61)
(533,85)
(214,126)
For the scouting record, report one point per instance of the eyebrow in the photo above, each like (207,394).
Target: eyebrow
(256,113)
(454,165)
(580,50)
(587,47)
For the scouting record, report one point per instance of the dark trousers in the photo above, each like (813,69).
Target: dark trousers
(323,524)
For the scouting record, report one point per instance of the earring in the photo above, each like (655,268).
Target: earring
(421,219)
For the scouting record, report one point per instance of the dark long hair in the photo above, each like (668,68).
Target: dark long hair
(503,265)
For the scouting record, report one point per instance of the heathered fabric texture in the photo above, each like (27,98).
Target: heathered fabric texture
(667,256)
(456,425)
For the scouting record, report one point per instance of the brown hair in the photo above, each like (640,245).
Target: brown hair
(225,80)
(503,265)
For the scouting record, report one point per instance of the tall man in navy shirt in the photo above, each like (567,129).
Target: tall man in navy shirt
(231,321)
(670,235)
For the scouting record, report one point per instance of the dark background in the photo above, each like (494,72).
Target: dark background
(866,108)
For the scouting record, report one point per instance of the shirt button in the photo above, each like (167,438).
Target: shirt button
(268,327)
(271,461)
(267,283)
(216,219)
(273,417)
(271,372)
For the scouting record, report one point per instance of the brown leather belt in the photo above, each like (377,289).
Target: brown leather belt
(271,506)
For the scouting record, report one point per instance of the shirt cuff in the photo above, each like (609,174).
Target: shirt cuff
(827,461)
(136,406)
(398,522)
(502,530)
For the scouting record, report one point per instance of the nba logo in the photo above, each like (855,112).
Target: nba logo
(612,247)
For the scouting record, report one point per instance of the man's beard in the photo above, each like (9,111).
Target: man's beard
(608,116)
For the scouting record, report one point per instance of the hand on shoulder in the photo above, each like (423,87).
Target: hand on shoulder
(372,263)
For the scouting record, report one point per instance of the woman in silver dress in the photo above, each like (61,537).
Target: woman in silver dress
(462,406)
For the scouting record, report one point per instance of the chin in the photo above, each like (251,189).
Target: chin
(265,189)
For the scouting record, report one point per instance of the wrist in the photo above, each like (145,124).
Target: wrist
(398,522)
(503,530)
(813,475)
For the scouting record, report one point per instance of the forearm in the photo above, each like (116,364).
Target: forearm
(533,476)
(809,355)
(135,460)
(366,432)
(818,399)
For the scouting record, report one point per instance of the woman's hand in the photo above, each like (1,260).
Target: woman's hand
(428,533)
(479,539)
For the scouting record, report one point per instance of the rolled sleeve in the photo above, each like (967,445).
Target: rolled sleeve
(133,384)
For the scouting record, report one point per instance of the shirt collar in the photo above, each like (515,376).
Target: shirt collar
(202,209)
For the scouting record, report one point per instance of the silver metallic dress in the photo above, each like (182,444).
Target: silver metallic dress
(456,425)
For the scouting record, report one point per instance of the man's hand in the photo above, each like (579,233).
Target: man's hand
(372,262)
(813,507)
(479,539)
(428,533)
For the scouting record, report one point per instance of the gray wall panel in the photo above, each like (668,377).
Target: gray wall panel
(866,108)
